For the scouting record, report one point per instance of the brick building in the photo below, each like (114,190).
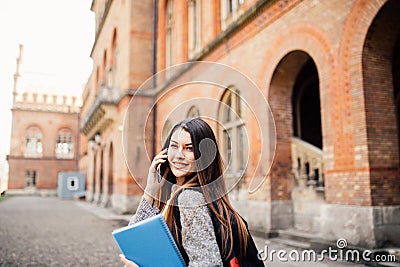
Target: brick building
(44,138)
(330,71)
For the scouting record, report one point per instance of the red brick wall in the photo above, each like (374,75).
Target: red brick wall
(332,35)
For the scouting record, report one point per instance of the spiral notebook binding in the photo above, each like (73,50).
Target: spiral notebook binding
(164,224)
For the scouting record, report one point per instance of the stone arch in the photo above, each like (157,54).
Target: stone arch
(378,81)
(193,112)
(377,62)
(302,42)
(366,53)
(354,33)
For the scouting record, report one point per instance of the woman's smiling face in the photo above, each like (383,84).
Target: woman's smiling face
(180,154)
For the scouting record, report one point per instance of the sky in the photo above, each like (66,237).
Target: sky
(57,36)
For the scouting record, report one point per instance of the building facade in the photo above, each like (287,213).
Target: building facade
(330,71)
(44,139)
(122,56)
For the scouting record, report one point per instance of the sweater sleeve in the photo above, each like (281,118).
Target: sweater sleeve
(144,211)
(198,236)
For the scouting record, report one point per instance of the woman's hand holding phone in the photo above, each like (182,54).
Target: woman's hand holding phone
(154,179)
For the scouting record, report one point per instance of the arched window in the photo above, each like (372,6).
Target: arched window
(193,112)
(194,22)
(112,71)
(232,133)
(64,144)
(33,143)
(165,131)
(169,25)
(104,69)
(97,85)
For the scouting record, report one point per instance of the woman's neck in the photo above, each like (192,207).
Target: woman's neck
(180,181)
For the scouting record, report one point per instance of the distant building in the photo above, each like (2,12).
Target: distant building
(44,139)
(330,71)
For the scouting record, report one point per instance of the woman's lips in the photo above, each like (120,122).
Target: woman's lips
(180,165)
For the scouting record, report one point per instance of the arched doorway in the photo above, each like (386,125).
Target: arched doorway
(298,166)
(307,128)
(380,70)
(94,175)
(111,171)
(101,174)
(396,83)
(306,105)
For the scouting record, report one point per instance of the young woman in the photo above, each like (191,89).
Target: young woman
(206,228)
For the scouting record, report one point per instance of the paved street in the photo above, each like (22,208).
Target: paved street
(37,231)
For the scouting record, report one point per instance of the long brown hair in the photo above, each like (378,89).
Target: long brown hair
(209,170)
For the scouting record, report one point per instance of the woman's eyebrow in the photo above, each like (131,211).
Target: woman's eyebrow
(176,142)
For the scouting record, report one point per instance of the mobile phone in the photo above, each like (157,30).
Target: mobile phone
(161,168)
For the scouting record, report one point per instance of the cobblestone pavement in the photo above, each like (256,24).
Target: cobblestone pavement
(37,231)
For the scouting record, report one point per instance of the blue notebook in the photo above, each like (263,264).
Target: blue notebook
(149,243)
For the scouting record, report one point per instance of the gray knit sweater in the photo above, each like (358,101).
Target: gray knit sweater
(198,235)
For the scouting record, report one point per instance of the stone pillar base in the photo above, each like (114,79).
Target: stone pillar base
(124,204)
(368,227)
(89,196)
(263,216)
(105,201)
(96,198)
(33,192)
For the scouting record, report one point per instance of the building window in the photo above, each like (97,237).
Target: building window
(33,143)
(229,11)
(169,35)
(165,131)
(112,71)
(232,133)
(64,145)
(193,112)
(194,22)
(104,69)
(30,178)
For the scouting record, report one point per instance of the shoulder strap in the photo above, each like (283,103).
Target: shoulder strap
(177,217)
(250,259)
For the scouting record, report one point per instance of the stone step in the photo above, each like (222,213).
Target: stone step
(292,243)
(293,234)
(388,264)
